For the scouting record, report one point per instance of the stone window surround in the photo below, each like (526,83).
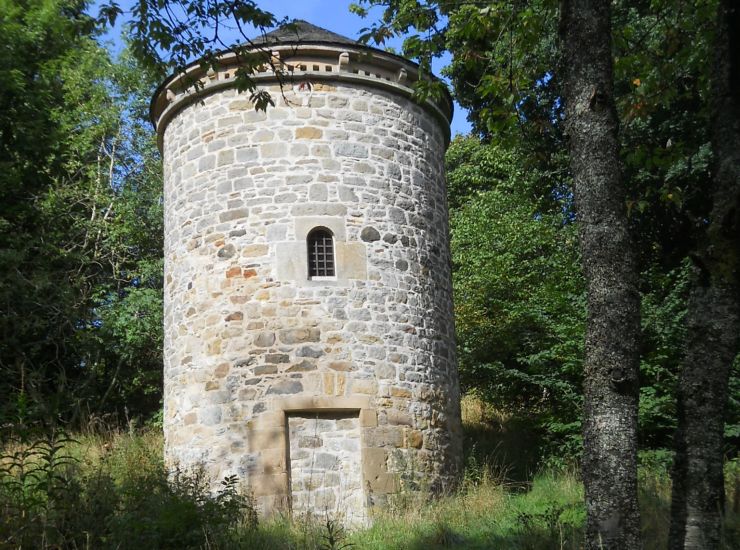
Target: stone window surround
(268,434)
(291,257)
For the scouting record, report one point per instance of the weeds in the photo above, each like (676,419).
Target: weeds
(550,528)
(112,490)
(124,498)
(334,535)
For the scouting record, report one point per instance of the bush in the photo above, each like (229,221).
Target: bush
(125,498)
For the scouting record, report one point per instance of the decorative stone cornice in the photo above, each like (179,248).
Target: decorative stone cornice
(296,64)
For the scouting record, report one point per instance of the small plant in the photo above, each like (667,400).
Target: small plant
(547,529)
(34,486)
(445,537)
(334,534)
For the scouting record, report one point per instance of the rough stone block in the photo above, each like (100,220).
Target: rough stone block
(273,150)
(414,438)
(308,132)
(343,366)
(319,209)
(400,392)
(210,416)
(225,157)
(318,192)
(268,438)
(299,335)
(354,150)
(385,484)
(368,418)
(374,462)
(264,369)
(255,250)
(398,418)
(367,387)
(276,358)
(285,387)
(231,215)
(384,436)
(303,366)
(266,484)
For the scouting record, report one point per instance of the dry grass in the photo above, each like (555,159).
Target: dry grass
(490,510)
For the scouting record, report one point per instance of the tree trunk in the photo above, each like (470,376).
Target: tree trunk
(713,316)
(612,334)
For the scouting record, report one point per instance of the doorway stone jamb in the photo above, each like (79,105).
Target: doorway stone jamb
(268,435)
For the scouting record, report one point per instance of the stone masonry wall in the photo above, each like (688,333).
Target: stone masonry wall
(248,338)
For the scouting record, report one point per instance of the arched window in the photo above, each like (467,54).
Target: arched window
(320,253)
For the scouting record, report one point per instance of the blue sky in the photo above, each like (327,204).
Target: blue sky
(335,16)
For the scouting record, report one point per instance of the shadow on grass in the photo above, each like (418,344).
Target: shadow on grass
(526,538)
(504,446)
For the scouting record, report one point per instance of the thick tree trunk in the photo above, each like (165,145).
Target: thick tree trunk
(612,354)
(713,317)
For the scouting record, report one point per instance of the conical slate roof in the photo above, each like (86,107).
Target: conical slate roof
(302,31)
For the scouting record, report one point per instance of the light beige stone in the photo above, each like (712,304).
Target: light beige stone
(308,133)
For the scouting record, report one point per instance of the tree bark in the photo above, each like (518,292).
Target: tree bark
(612,334)
(713,318)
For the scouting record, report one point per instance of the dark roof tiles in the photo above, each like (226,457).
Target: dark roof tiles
(302,31)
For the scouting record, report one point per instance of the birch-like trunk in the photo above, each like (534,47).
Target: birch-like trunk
(612,355)
(713,318)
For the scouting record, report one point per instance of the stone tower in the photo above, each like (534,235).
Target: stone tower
(309,338)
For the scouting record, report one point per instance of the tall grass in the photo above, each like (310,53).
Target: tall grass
(111,492)
(111,489)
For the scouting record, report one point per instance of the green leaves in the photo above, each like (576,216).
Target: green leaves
(167,35)
(519,302)
(108,14)
(80,229)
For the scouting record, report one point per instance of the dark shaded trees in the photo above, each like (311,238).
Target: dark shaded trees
(39,308)
(713,319)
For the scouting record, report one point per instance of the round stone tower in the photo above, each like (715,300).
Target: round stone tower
(309,338)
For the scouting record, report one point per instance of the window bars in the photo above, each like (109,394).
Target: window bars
(320,253)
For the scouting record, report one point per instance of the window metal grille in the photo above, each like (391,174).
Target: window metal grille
(320,253)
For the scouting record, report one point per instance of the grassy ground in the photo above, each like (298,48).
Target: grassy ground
(111,490)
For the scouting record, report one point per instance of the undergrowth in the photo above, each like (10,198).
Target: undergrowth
(91,492)
(112,490)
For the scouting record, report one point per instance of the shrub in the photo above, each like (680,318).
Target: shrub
(125,499)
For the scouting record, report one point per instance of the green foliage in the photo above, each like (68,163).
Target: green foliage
(663,334)
(555,523)
(33,489)
(334,535)
(80,221)
(506,71)
(519,297)
(126,499)
(662,74)
(40,38)
(504,58)
(167,35)
(732,418)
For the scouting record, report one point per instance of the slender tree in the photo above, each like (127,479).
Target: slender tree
(613,325)
(713,319)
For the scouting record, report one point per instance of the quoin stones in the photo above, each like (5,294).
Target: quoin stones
(309,337)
